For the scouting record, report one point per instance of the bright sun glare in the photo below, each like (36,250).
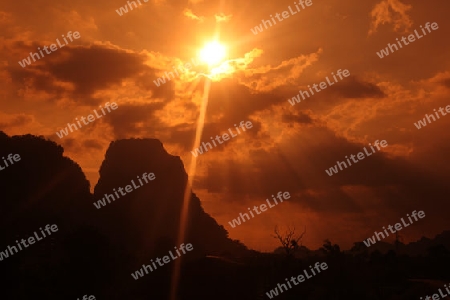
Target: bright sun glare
(213,53)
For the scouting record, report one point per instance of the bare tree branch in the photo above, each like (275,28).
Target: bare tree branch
(289,241)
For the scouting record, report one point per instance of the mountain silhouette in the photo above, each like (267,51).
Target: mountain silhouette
(109,243)
(43,187)
(97,247)
(148,218)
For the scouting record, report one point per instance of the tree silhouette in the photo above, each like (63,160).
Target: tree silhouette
(289,240)
(331,249)
(398,240)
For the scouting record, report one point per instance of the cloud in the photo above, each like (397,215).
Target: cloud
(70,71)
(391,12)
(16,120)
(135,120)
(73,19)
(300,118)
(446,83)
(188,13)
(352,87)
(90,143)
(267,78)
(298,165)
(5,17)
(222,17)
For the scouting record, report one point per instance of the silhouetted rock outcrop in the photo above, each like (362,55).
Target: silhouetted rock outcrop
(44,187)
(96,249)
(147,220)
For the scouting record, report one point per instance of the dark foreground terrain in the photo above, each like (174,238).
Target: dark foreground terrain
(95,250)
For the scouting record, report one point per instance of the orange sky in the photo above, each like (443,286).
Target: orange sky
(289,147)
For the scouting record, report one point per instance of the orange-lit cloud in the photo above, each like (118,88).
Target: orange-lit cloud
(391,12)
(222,17)
(188,13)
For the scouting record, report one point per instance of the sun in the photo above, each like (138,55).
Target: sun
(212,53)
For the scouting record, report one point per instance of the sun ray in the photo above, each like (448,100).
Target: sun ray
(188,191)
(213,54)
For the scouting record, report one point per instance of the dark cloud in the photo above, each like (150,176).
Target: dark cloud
(299,165)
(300,118)
(108,67)
(237,102)
(135,120)
(446,83)
(88,69)
(94,144)
(352,87)
(16,121)
(184,136)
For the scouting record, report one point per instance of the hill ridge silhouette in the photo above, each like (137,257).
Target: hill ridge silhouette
(95,250)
